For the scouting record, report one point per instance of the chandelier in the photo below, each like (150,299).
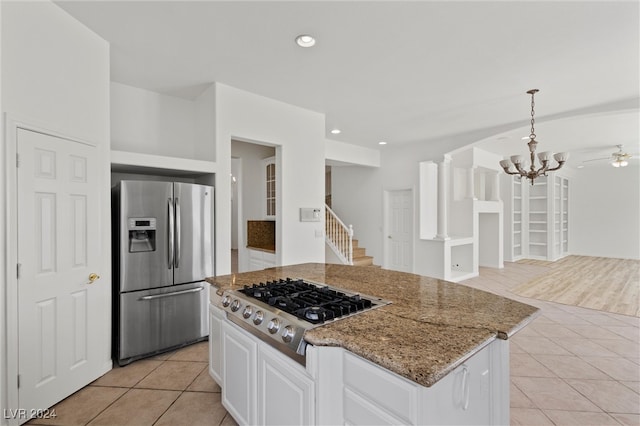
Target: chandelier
(544,157)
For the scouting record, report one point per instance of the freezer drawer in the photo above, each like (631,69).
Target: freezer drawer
(153,321)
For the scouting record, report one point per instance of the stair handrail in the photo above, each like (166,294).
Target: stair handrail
(339,236)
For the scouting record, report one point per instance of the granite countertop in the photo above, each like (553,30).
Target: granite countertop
(431,327)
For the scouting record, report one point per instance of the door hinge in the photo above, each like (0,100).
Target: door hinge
(18,268)
(18,381)
(17,160)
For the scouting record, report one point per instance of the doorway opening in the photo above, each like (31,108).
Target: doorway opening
(254,192)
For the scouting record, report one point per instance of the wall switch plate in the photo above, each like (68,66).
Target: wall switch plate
(310,214)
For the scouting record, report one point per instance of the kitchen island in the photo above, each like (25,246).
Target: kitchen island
(437,354)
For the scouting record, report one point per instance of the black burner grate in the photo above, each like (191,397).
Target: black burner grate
(310,302)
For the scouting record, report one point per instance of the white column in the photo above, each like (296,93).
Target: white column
(471,185)
(495,186)
(443,198)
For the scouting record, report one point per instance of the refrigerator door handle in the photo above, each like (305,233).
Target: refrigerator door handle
(174,293)
(176,261)
(171,230)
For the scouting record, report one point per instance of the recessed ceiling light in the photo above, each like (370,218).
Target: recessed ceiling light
(382,143)
(335,131)
(580,167)
(524,138)
(305,40)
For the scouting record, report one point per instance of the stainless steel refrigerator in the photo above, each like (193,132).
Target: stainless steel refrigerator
(163,250)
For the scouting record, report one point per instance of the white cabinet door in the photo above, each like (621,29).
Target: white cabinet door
(216,317)
(285,392)
(61,303)
(268,260)
(259,260)
(462,397)
(255,260)
(239,373)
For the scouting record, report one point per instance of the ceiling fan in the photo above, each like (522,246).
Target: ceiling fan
(617,159)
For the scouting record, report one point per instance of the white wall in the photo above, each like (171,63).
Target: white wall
(55,75)
(298,135)
(604,212)
(236,171)
(205,131)
(357,192)
(352,154)
(151,123)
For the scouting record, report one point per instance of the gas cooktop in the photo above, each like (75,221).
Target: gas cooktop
(311,302)
(279,312)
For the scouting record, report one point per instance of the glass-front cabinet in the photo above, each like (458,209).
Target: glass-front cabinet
(270,188)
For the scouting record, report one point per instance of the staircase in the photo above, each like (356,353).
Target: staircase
(339,237)
(360,257)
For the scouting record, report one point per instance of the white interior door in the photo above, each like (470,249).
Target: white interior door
(61,308)
(399,238)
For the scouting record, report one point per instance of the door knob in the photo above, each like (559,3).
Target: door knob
(93,277)
(389,236)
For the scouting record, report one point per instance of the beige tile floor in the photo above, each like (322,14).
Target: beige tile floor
(571,366)
(170,389)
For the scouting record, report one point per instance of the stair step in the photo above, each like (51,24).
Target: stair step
(354,243)
(363,261)
(359,252)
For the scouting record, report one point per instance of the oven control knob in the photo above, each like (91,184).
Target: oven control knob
(274,325)
(235,305)
(257,320)
(287,334)
(248,310)
(226,300)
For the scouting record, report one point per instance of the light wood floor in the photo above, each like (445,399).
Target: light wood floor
(605,284)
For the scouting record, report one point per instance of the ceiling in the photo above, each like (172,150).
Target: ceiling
(402,72)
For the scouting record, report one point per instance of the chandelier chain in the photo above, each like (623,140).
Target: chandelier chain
(533,120)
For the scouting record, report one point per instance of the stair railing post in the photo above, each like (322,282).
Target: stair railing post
(339,236)
(350,244)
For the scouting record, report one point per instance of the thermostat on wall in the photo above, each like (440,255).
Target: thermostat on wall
(310,214)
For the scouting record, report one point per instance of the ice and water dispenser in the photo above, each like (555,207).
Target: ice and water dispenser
(142,234)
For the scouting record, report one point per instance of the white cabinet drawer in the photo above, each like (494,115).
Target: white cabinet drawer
(360,411)
(382,388)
